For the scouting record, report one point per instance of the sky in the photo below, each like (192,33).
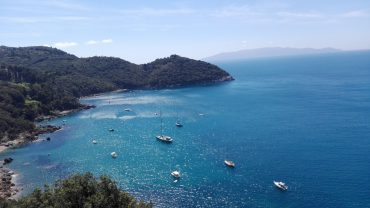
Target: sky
(141,31)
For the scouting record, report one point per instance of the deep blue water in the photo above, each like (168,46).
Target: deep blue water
(304,120)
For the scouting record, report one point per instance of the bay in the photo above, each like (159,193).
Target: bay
(304,120)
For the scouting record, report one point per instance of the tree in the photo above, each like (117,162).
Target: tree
(78,191)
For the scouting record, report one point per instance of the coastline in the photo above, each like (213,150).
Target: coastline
(27,137)
(9,188)
(57,114)
(18,188)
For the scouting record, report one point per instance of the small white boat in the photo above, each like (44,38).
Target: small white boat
(94,141)
(127,110)
(110,129)
(164,138)
(281,185)
(229,163)
(176,174)
(201,114)
(178,123)
(114,154)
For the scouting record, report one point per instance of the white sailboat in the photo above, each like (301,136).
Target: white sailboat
(162,137)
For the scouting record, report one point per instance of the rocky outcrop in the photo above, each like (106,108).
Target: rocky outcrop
(43,130)
(7,186)
(7,160)
(29,136)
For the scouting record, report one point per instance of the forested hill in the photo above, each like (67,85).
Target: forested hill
(40,80)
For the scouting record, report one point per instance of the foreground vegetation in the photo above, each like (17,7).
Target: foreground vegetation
(78,191)
(39,81)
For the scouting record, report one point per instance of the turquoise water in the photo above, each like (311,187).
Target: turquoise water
(303,120)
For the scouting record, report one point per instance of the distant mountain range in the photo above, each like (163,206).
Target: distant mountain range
(268,52)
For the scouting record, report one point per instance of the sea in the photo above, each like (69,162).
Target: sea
(303,120)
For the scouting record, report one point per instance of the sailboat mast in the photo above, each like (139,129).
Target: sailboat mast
(160,114)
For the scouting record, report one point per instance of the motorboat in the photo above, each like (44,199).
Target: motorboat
(281,185)
(229,163)
(94,141)
(110,129)
(176,174)
(114,154)
(178,124)
(127,110)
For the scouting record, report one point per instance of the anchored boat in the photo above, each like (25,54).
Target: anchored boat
(281,185)
(114,154)
(162,137)
(229,163)
(176,174)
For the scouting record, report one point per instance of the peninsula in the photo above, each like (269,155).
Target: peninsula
(38,82)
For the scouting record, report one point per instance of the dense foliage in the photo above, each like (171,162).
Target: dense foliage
(14,112)
(78,191)
(85,76)
(21,103)
(38,81)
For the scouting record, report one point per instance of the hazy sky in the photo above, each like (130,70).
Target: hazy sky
(140,31)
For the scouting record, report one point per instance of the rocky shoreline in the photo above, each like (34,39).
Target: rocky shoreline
(57,114)
(28,136)
(8,186)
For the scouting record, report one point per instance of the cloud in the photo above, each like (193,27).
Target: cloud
(64,44)
(72,44)
(253,14)
(235,11)
(92,42)
(357,13)
(306,15)
(63,4)
(156,12)
(23,20)
(107,41)
(39,19)
(95,42)
(72,18)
